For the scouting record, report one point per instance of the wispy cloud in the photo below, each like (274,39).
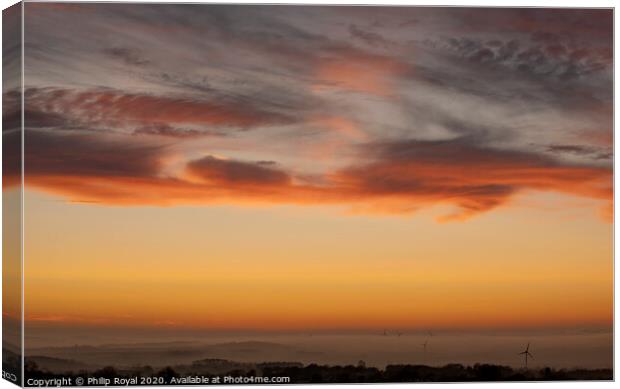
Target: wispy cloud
(382,109)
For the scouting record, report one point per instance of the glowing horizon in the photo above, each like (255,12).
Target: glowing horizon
(287,167)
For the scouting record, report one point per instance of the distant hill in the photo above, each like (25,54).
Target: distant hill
(59,365)
(254,358)
(177,353)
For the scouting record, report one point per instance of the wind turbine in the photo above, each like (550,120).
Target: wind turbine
(424,344)
(527,353)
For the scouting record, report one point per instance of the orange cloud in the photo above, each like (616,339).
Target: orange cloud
(227,173)
(597,137)
(339,132)
(109,106)
(343,126)
(398,177)
(473,178)
(358,72)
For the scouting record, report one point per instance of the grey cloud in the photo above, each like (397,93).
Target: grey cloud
(535,59)
(581,150)
(89,155)
(231,172)
(132,57)
(368,37)
(165,130)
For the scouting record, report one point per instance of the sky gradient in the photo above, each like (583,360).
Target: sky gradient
(285,167)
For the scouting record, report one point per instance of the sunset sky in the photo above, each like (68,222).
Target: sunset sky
(288,167)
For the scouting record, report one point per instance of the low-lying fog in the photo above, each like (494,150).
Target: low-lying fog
(562,350)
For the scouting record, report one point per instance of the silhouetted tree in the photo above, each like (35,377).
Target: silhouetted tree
(167,373)
(107,372)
